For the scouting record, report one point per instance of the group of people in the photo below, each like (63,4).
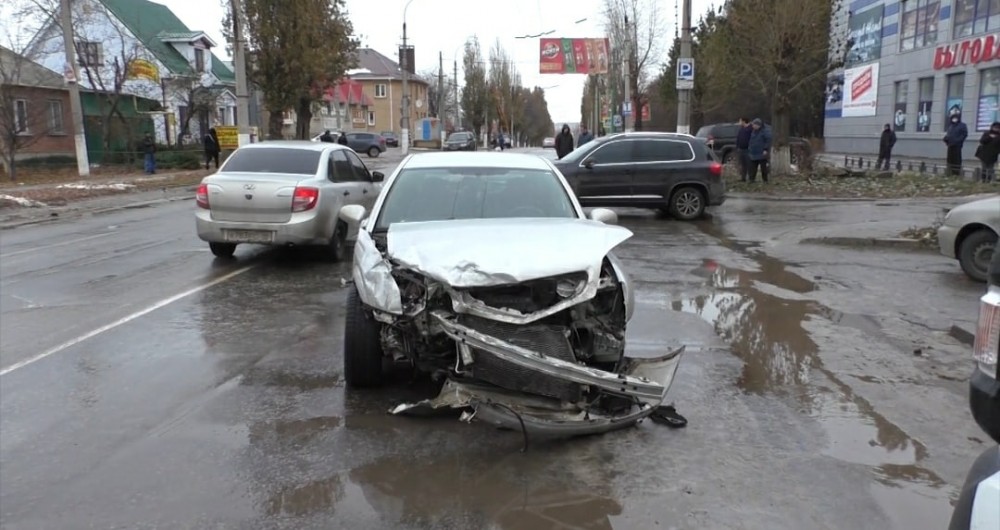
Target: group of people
(988,150)
(327,136)
(753,150)
(564,140)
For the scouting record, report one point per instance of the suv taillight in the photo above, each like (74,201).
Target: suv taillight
(201,196)
(304,199)
(987,344)
(715,168)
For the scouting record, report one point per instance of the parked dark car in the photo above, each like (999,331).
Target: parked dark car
(722,138)
(370,143)
(391,139)
(674,173)
(460,141)
(976,506)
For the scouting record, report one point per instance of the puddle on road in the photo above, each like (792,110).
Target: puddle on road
(761,314)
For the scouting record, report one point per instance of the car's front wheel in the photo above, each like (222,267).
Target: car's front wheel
(335,249)
(687,203)
(222,250)
(975,252)
(373,152)
(362,345)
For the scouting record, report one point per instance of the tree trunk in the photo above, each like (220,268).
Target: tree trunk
(781,157)
(275,124)
(637,110)
(9,166)
(303,119)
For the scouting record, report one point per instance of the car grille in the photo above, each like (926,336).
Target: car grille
(547,340)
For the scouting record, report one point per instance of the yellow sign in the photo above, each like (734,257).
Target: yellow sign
(229,136)
(143,69)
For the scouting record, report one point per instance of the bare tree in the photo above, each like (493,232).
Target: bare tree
(198,100)
(447,91)
(634,28)
(504,83)
(475,97)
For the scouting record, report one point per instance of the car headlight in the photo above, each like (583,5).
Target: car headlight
(567,288)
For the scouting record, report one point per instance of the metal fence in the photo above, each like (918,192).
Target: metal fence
(922,167)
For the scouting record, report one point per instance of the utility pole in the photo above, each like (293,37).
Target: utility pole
(404,136)
(684,95)
(72,74)
(628,77)
(458,118)
(239,60)
(441,89)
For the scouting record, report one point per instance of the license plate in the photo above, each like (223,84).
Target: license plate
(249,236)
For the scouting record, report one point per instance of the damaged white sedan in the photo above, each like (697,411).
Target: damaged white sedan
(483,270)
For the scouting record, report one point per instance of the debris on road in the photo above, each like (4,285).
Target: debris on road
(926,236)
(117,186)
(10,200)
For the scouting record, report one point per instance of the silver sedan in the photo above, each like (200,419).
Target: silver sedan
(283,193)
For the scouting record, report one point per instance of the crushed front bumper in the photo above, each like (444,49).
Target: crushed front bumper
(644,380)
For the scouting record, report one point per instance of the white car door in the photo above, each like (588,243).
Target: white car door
(369,192)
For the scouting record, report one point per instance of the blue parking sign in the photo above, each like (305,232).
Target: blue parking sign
(685,74)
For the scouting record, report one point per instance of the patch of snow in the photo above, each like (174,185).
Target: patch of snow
(121,186)
(21,201)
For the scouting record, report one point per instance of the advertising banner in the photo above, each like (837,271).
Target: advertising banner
(229,137)
(834,93)
(573,56)
(987,113)
(865,32)
(953,107)
(142,69)
(924,116)
(899,117)
(860,91)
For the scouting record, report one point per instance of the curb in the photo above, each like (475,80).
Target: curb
(962,335)
(55,216)
(778,198)
(903,243)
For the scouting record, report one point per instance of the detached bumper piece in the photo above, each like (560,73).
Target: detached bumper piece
(643,381)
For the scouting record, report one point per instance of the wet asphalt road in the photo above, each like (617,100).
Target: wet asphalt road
(144,384)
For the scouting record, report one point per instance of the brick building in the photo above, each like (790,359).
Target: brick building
(35,106)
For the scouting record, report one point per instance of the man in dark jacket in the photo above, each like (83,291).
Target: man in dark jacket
(149,153)
(989,151)
(885,144)
(212,149)
(759,150)
(585,136)
(564,142)
(342,139)
(742,146)
(954,138)
(326,137)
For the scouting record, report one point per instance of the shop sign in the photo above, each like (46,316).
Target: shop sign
(968,52)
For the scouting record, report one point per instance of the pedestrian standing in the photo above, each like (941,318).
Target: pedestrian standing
(212,149)
(585,136)
(885,144)
(988,151)
(342,139)
(742,148)
(149,153)
(954,139)
(326,137)
(564,142)
(759,150)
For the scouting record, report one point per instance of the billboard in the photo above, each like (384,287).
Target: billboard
(229,137)
(865,36)
(573,56)
(860,91)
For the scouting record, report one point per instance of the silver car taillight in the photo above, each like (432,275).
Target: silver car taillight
(987,344)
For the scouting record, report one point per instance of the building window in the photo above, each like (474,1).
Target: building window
(920,24)
(222,116)
(976,16)
(989,98)
(380,91)
(925,103)
(956,94)
(199,60)
(899,112)
(371,118)
(88,53)
(20,116)
(55,116)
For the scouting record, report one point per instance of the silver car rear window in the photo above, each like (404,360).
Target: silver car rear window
(273,160)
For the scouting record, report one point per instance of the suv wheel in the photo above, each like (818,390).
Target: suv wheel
(373,152)
(687,203)
(975,252)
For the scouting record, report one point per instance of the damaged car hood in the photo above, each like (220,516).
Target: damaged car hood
(489,252)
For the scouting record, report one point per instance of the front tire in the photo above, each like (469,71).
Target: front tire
(687,204)
(362,345)
(975,252)
(337,246)
(222,250)
(373,152)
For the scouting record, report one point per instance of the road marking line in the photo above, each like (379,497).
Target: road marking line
(36,249)
(123,320)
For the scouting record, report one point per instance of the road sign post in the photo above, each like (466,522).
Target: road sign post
(685,74)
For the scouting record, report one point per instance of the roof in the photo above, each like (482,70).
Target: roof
(295,144)
(348,91)
(153,24)
(373,65)
(490,159)
(18,70)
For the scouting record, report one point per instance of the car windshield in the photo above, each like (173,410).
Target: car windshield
(458,137)
(439,194)
(273,160)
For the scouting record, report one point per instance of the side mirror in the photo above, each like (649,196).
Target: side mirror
(601,215)
(589,164)
(378,176)
(352,214)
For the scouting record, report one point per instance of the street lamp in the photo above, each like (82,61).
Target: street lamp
(405,133)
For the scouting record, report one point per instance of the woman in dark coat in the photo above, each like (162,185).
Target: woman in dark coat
(212,148)
(989,150)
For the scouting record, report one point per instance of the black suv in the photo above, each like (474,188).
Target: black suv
(984,400)
(460,141)
(722,138)
(675,173)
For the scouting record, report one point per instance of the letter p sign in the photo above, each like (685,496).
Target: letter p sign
(685,74)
